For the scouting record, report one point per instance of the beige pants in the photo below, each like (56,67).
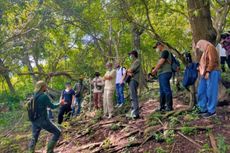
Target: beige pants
(108,102)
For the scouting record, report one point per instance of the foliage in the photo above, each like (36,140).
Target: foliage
(188,130)
(160,150)
(223,147)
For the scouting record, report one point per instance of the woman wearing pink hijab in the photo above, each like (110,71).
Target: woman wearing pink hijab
(210,76)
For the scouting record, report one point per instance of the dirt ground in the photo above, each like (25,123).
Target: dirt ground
(121,134)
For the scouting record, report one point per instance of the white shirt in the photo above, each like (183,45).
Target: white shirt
(119,75)
(221,50)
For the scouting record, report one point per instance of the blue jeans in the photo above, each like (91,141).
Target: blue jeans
(120,93)
(133,85)
(208,92)
(78,102)
(165,91)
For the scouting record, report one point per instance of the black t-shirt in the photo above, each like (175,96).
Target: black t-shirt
(68,96)
(165,54)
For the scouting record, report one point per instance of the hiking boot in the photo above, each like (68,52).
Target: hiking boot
(51,146)
(169,109)
(162,103)
(209,115)
(160,110)
(169,103)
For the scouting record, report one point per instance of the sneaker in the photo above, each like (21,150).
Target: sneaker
(120,105)
(135,117)
(117,105)
(110,116)
(202,113)
(209,115)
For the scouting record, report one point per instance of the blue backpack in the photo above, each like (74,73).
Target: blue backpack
(190,75)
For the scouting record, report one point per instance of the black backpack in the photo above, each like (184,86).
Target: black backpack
(33,114)
(175,64)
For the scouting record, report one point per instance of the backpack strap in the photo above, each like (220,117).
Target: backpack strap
(170,54)
(35,99)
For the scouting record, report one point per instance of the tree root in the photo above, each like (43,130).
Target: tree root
(213,142)
(190,140)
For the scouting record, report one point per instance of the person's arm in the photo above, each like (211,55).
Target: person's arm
(107,77)
(123,76)
(92,82)
(211,53)
(73,100)
(100,82)
(158,66)
(110,76)
(164,57)
(49,103)
(134,66)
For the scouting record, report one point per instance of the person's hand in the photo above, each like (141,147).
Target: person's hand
(206,75)
(154,72)
(63,102)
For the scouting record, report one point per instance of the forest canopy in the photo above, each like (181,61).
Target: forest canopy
(60,41)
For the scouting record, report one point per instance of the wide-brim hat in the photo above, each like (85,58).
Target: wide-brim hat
(39,85)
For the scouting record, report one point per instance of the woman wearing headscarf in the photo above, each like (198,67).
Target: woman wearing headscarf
(210,75)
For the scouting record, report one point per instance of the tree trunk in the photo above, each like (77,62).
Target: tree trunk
(26,61)
(5,74)
(202,28)
(200,20)
(136,35)
(220,19)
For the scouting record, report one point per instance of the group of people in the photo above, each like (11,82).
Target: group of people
(115,78)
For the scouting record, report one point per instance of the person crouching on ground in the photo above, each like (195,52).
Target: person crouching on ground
(210,76)
(67,98)
(43,122)
(109,78)
(164,71)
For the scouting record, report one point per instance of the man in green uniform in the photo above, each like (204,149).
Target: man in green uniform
(42,121)
(134,72)
(164,71)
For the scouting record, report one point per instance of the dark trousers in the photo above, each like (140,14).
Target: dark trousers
(133,85)
(97,97)
(64,110)
(47,125)
(165,91)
